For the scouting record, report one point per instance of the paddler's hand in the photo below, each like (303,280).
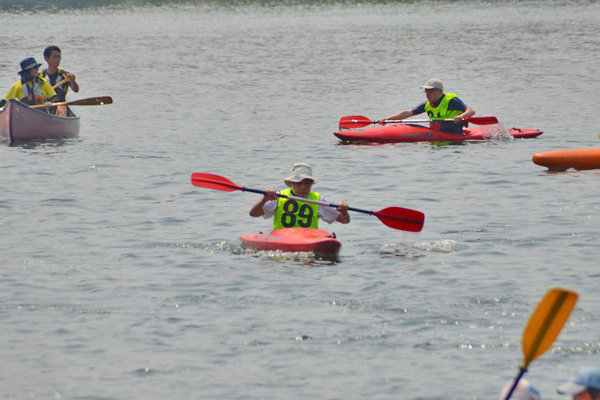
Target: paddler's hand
(344,217)
(48,104)
(343,207)
(270,194)
(458,120)
(381,121)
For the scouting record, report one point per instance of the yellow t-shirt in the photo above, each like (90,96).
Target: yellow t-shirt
(16,91)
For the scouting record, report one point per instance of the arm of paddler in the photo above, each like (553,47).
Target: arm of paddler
(257,208)
(344,216)
(469,112)
(396,117)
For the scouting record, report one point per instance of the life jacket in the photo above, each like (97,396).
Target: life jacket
(441,111)
(296,214)
(31,91)
(60,76)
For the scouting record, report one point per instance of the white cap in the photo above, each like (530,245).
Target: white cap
(433,84)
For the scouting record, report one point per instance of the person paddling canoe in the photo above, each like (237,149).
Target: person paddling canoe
(31,89)
(55,75)
(289,213)
(439,106)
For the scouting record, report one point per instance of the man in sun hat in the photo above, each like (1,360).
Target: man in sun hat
(583,385)
(523,391)
(439,106)
(289,213)
(31,89)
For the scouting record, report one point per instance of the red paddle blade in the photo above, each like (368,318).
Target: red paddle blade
(355,121)
(401,218)
(212,181)
(482,120)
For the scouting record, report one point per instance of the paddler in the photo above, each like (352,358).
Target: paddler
(289,213)
(439,106)
(31,89)
(55,75)
(583,385)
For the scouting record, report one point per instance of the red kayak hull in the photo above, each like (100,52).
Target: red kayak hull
(293,240)
(401,133)
(580,159)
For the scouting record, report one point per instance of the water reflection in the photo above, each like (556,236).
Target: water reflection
(48,145)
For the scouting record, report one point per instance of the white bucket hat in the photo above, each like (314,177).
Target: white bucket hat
(298,173)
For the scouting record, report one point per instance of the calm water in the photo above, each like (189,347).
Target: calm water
(121,280)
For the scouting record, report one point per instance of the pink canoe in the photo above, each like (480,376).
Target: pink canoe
(21,123)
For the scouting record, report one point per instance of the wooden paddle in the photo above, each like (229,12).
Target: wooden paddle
(60,83)
(358,121)
(92,101)
(544,326)
(395,217)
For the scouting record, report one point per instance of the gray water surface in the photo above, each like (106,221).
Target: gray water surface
(121,280)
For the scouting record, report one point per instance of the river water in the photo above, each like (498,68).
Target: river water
(121,280)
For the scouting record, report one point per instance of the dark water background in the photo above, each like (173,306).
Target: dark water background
(121,280)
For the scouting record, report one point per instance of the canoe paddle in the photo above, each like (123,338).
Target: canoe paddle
(395,217)
(544,326)
(60,83)
(358,121)
(92,101)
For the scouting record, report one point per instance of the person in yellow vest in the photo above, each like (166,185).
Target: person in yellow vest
(289,213)
(31,89)
(439,106)
(55,75)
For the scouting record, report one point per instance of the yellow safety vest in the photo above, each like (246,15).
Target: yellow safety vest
(296,214)
(441,111)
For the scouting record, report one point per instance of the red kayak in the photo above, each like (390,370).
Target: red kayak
(416,133)
(293,240)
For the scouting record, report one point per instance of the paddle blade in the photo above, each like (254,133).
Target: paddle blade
(400,218)
(355,121)
(546,323)
(482,120)
(211,181)
(93,101)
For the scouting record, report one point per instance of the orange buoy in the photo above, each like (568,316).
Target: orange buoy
(579,159)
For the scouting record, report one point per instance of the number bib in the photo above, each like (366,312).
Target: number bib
(296,214)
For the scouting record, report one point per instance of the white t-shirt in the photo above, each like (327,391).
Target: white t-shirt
(327,214)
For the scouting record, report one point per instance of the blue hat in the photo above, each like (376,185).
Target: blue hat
(28,64)
(584,378)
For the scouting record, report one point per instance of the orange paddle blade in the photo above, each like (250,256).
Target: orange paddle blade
(546,323)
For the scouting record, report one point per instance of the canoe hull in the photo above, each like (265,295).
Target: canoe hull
(18,122)
(401,133)
(580,159)
(293,240)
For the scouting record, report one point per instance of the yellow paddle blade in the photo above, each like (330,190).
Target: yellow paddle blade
(546,322)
